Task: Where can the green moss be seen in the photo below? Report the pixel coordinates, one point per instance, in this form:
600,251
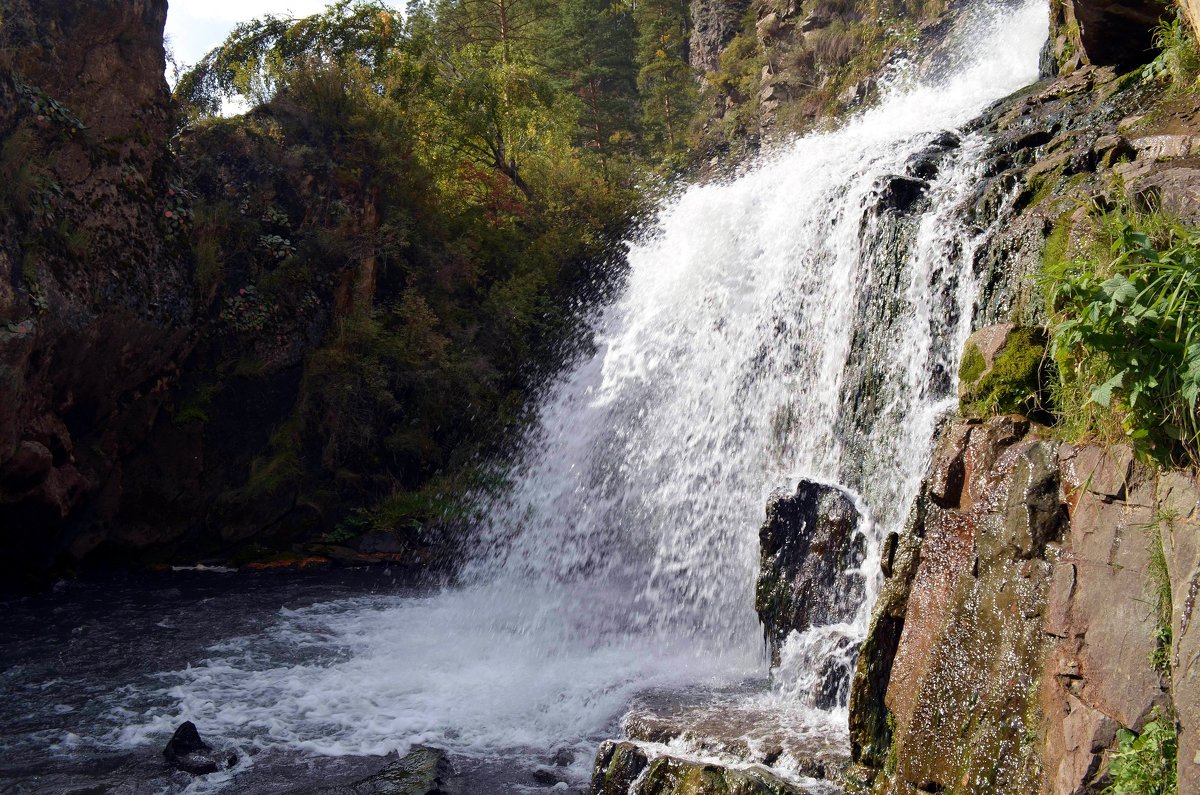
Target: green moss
1014,384
1054,252
197,407
279,468
973,365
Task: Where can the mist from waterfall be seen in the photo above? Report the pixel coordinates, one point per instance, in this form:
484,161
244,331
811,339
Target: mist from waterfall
777,325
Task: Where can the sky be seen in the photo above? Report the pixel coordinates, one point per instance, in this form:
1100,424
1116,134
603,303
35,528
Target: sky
196,26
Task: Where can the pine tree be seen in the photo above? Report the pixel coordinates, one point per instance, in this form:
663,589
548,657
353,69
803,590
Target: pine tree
666,81
592,57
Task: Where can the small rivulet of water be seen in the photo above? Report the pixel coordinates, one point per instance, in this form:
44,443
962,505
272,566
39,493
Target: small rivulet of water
800,320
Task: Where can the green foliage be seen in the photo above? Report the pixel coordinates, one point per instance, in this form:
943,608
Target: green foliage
591,55
1014,384
1144,764
409,217
1058,242
279,468
259,58
1126,330
1179,56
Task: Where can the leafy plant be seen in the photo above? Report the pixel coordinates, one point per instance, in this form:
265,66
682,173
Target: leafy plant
1144,764
1179,56
1136,311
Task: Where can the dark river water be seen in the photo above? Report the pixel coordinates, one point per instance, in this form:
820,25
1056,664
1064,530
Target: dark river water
83,703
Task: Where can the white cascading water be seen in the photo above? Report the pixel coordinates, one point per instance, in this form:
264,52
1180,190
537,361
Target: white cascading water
774,326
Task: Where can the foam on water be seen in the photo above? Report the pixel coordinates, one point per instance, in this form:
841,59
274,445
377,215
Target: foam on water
625,555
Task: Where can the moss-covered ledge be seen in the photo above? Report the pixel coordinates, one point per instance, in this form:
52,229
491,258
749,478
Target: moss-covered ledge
1003,372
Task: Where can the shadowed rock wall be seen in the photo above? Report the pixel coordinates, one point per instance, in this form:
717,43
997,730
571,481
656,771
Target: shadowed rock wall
96,296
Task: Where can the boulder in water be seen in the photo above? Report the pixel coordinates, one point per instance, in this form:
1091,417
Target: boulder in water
811,551
926,164
188,752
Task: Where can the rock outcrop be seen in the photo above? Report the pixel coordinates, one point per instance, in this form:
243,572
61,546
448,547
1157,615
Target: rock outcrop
1017,626
1001,372
187,752
96,299
811,550
1117,33
714,24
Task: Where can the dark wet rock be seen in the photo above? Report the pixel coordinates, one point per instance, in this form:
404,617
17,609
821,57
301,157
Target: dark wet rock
926,164
624,768
1047,63
548,776
810,548
833,685
618,765
187,752
901,194
28,466
563,757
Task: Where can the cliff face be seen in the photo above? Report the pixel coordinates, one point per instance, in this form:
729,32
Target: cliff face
96,300
714,24
1038,603
1019,626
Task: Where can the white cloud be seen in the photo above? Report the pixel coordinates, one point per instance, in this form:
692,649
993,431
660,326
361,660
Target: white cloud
242,10
196,26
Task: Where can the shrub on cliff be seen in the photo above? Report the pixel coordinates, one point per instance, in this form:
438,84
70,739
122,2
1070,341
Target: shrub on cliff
1127,333
1144,764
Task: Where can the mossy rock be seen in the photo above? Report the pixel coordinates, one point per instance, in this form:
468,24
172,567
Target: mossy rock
1002,373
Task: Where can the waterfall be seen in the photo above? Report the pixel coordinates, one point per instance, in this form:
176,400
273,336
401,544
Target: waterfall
803,319
779,325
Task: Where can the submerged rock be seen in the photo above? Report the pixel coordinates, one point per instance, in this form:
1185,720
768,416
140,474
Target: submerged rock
625,768
726,726
186,751
810,554
423,771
